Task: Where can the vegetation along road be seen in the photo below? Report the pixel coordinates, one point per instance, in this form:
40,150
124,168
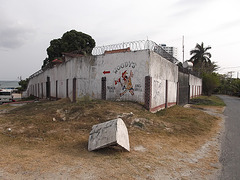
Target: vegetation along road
230,155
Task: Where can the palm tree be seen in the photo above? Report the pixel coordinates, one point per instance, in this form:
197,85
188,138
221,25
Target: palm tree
200,54
200,58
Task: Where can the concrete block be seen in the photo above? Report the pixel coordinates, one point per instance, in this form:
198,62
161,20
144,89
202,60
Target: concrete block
113,132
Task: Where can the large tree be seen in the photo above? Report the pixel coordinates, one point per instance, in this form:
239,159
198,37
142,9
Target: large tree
201,58
78,42
55,49
71,42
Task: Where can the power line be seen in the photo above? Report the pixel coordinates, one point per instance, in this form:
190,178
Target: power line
229,67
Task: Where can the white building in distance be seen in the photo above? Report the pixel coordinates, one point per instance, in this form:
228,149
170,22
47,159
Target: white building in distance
170,50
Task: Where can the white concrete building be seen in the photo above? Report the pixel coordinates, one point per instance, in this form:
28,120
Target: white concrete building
142,76
171,50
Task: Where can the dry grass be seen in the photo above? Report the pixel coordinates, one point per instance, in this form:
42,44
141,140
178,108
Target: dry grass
208,101
46,136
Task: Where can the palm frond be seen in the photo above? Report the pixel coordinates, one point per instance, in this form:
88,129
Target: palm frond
194,51
209,55
207,48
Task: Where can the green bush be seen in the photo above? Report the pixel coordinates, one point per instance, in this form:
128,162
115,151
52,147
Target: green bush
210,82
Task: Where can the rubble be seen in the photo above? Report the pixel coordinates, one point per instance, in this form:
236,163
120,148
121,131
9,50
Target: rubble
113,132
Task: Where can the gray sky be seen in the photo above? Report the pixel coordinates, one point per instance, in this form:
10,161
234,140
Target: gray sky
28,26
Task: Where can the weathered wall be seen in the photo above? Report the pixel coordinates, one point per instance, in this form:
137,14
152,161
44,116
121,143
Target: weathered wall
78,68
126,79
115,76
195,84
124,72
164,82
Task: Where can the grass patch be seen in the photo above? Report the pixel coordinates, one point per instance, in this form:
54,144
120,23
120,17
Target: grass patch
49,135
5,106
208,101
63,124
185,121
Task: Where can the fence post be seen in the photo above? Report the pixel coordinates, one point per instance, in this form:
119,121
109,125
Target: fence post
48,88
74,90
104,91
166,102
178,93
189,93
148,92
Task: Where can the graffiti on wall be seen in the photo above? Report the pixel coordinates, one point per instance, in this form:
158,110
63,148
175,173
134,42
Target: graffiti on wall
126,64
157,85
138,87
126,83
111,89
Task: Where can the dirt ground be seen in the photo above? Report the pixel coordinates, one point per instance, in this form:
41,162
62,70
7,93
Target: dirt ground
48,140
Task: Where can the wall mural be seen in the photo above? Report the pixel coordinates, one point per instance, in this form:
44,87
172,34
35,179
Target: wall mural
124,65
126,83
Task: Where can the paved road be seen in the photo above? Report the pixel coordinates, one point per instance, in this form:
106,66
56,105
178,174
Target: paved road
230,154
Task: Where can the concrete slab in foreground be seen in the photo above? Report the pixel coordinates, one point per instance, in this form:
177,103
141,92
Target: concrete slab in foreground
109,133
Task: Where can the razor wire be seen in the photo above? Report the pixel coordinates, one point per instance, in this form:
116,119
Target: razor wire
36,73
133,45
136,46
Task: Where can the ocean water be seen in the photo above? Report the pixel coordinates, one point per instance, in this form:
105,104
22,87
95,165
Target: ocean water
8,84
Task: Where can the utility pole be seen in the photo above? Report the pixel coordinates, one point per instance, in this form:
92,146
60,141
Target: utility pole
183,48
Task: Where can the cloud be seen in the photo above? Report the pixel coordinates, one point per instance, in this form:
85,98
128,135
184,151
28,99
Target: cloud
190,2
228,25
186,7
14,34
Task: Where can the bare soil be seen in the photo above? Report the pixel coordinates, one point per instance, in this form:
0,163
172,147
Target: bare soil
48,140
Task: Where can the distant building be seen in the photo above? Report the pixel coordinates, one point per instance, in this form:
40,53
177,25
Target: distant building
170,50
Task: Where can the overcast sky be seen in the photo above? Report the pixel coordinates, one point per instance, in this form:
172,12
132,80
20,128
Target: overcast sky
28,26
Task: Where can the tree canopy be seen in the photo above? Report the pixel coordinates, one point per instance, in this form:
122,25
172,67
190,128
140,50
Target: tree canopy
210,81
23,84
201,59
228,85
55,49
200,54
71,42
